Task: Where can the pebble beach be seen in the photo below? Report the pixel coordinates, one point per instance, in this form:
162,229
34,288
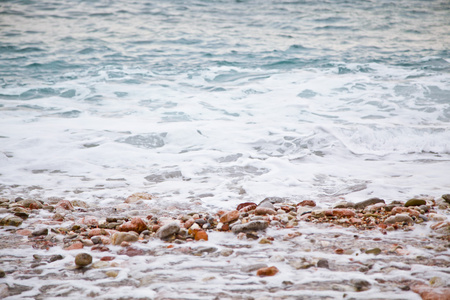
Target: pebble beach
272,249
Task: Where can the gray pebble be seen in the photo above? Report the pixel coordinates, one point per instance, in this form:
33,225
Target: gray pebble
253,225
168,230
368,202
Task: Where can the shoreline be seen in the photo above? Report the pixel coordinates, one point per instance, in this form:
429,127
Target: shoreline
274,249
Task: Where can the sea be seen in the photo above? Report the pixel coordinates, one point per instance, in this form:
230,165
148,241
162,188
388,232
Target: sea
221,102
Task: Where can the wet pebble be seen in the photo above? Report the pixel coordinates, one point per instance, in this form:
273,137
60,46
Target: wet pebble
269,271
83,259
250,226
323,263
11,220
368,202
168,230
38,232
119,237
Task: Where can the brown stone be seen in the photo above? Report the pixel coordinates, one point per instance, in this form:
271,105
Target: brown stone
269,271
229,216
201,235
307,203
136,224
248,208
245,204
265,211
83,259
107,258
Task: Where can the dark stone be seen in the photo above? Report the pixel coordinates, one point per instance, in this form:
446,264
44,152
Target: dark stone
415,202
96,240
2,273
200,222
43,231
361,285
368,202
323,263
446,197
55,258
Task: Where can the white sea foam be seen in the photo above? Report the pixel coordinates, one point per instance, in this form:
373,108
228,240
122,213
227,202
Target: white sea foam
306,133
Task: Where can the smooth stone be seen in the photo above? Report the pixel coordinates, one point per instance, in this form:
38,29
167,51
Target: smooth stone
111,273
273,200
83,259
368,202
43,231
100,264
168,230
361,285
399,218
55,257
323,263
11,220
446,197
229,216
96,240
267,204
119,237
250,226
226,252
415,202
2,273
252,268
270,271
374,251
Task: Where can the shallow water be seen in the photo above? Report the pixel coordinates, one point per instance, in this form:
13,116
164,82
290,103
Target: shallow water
223,102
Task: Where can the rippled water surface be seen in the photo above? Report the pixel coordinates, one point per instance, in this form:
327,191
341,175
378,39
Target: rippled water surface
224,101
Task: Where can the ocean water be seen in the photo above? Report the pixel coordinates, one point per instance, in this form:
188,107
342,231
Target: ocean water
220,102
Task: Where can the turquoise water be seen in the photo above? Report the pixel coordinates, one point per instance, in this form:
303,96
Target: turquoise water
225,101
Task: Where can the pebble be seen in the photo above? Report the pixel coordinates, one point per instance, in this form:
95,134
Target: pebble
136,224
252,225
64,204
344,204
137,197
415,202
269,271
361,285
201,235
43,231
75,246
112,273
168,230
365,203
446,197
323,263
2,273
399,218
11,220
307,203
229,216
119,237
265,211
245,204
83,259
374,251
226,252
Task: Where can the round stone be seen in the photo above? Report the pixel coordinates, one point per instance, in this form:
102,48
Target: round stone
83,259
